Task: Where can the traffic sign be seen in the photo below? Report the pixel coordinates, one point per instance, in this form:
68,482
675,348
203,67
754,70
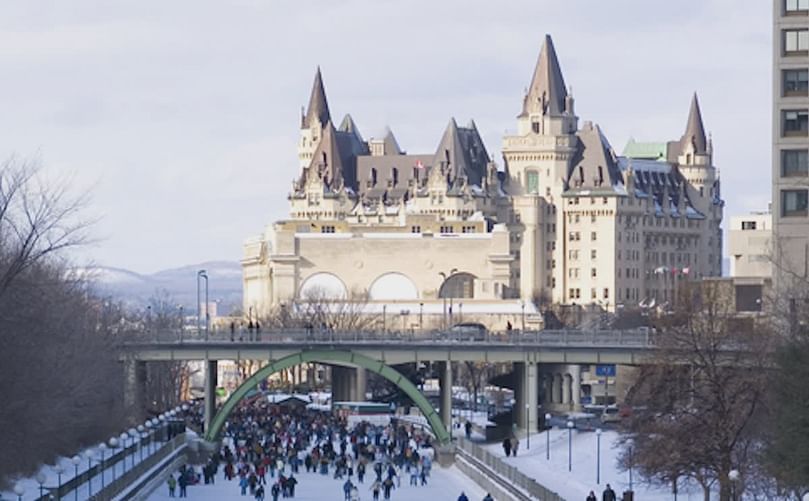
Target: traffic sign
606,370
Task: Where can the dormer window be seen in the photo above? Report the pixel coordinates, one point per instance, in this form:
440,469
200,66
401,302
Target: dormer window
395,176
535,127
373,176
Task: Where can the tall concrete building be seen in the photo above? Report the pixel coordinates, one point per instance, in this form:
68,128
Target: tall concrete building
749,245
564,219
790,171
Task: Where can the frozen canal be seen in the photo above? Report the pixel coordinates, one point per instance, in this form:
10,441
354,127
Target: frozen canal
444,484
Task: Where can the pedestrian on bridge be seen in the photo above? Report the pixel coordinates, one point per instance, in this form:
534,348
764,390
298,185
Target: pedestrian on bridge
172,482
507,446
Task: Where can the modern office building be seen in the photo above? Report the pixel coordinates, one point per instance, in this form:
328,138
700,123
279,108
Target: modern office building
790,171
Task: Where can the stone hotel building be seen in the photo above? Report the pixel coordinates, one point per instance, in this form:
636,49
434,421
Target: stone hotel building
563,219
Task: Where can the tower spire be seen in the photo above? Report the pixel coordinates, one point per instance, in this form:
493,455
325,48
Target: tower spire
695,130
318,108
547,93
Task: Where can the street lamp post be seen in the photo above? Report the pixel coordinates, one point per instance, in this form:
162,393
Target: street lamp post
122,438
547,437
113,443
76,460
522,307
102,448
527,427
421,316
181,322
149,432
202,274
19,490
133,433
41,479
598,456
141,430
58,469
89,455
570,446
384,318
734,476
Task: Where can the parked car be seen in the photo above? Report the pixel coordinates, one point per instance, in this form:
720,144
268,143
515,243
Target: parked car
469,331
611,414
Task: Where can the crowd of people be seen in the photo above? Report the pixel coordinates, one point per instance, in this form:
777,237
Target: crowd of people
267,451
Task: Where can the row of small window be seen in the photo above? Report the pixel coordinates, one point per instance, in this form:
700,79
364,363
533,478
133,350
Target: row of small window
577,201
630,273
795,7
670,258
795,42
575,293
327,229
795,163
575,236
575,218
631,255
447,229
794,203
573,254
574,272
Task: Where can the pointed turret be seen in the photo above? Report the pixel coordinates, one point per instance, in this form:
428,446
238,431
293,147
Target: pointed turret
318,109
391,145
547,93
695,130
348,125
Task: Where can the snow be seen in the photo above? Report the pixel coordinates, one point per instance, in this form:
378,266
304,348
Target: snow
581,480
443,484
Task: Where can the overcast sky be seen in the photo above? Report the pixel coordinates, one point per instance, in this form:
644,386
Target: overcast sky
183,115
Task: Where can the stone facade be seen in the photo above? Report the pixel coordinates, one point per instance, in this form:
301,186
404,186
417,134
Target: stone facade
564,219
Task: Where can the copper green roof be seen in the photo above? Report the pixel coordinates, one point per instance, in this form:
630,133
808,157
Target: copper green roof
645,151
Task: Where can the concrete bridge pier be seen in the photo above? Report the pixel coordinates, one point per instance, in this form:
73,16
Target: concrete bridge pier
445,393
526,395
134,390
211,369
359,380
348,384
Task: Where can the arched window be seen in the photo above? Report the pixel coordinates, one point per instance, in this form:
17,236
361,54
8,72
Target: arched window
459,285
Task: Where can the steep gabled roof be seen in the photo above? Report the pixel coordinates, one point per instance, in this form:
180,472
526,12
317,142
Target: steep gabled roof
594,166
391,145
318,108
348,125
463,151
547,93
695,130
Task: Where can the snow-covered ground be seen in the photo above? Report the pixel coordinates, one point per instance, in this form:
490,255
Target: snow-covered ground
577,484
444,484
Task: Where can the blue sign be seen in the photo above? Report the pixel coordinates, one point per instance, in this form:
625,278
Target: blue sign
605,370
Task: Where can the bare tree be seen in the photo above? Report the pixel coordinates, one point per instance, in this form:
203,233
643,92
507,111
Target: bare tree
700,400
37,219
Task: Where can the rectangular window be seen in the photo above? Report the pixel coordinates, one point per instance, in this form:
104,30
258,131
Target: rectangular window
415,229
796,122
796,42
593,254
606,293
792,7
748,225
794,203
327,229
593,236
795,163
532,182
593,272
796,82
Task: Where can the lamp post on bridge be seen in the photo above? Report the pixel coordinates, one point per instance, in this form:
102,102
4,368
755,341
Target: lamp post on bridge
19,490
41,479
113,443
570,446
58,469
202,274
527,427
76,460
102,449
181,322
598,456
547,437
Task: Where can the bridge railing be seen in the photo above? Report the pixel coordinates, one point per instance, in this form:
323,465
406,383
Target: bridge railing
636,338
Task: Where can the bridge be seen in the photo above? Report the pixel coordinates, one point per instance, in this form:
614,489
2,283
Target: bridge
378,351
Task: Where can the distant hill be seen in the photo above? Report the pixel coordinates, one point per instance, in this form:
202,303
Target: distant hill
135,289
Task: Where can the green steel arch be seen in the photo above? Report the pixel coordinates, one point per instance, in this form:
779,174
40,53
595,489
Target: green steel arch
323,356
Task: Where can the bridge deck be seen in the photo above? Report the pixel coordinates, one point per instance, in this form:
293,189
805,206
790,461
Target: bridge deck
584,347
